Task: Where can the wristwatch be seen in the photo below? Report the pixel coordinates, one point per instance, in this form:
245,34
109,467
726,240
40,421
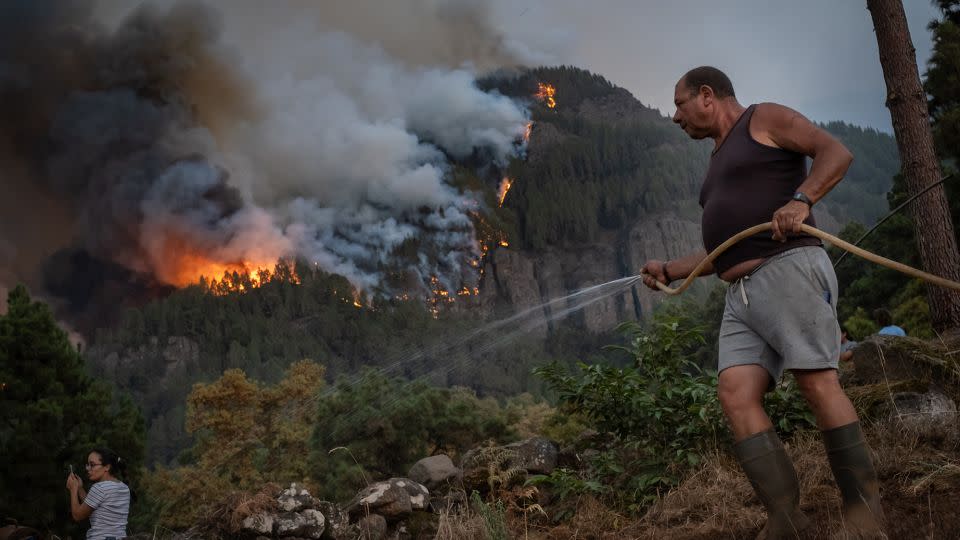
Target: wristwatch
802,197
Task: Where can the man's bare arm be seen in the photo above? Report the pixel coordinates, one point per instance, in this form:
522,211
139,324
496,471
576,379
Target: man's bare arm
785,128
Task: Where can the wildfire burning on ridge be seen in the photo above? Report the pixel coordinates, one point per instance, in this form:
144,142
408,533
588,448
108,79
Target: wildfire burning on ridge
503,189
545,93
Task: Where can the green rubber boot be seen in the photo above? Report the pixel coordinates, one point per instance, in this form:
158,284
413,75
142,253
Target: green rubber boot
857,479
775,481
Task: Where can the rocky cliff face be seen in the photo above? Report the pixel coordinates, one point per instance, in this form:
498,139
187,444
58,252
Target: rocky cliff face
516,280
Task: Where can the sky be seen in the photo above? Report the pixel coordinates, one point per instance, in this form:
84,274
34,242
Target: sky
817,56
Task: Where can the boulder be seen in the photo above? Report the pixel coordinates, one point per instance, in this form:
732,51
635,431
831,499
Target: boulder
393,499
308,523
930,415
883,359
536,455
295,498
260,524
338,522
490,467
435,472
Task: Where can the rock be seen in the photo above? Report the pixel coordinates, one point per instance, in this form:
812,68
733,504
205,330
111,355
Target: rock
536,455
295,498
394,499
931,415
883,359
435,472
872,401
338,522
487,467
258,524
490,467
372,527
308,523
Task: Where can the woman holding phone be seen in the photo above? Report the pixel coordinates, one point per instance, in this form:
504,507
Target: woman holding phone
107,504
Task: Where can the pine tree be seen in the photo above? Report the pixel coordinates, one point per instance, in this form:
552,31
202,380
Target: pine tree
908,109
52,414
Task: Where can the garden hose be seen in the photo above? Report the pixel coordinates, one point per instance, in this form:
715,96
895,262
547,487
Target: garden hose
813,231
890,215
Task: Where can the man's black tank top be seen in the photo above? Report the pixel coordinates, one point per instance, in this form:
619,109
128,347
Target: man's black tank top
745,184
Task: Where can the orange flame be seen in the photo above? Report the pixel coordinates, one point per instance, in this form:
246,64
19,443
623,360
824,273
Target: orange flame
527,131
187,269
503,189
545,93
178,261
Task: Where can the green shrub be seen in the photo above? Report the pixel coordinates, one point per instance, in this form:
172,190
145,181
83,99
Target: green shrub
663,410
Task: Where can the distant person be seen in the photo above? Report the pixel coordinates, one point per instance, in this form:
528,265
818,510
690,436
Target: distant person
846,345
885,320
107,504
781,306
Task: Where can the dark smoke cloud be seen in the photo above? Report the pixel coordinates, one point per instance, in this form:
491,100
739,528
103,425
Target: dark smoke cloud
157,143
98,123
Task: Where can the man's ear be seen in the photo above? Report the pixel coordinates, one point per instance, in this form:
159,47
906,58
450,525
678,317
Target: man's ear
707,94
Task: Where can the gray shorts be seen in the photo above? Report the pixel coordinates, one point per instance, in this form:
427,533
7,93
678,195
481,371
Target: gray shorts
783,315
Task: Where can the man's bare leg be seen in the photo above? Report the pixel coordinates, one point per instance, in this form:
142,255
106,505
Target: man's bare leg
830,405
741,390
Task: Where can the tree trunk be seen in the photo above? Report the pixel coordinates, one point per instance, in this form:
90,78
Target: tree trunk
911,126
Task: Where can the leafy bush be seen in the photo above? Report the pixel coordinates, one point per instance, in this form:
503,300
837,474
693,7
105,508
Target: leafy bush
388,424
247,434
663,410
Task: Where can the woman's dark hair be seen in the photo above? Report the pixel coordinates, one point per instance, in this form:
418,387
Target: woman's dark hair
883,317
108,457
118,466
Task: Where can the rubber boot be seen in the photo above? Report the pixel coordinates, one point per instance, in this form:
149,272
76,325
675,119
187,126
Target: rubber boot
775,481
857,479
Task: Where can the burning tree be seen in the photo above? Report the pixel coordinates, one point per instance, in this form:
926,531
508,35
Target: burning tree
503,189
545,93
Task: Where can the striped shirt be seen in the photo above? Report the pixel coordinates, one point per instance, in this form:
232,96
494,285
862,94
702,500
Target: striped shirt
111,504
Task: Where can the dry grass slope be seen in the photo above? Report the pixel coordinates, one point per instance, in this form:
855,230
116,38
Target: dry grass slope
920,486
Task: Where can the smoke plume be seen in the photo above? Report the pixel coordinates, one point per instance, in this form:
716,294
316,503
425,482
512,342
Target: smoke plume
150,145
